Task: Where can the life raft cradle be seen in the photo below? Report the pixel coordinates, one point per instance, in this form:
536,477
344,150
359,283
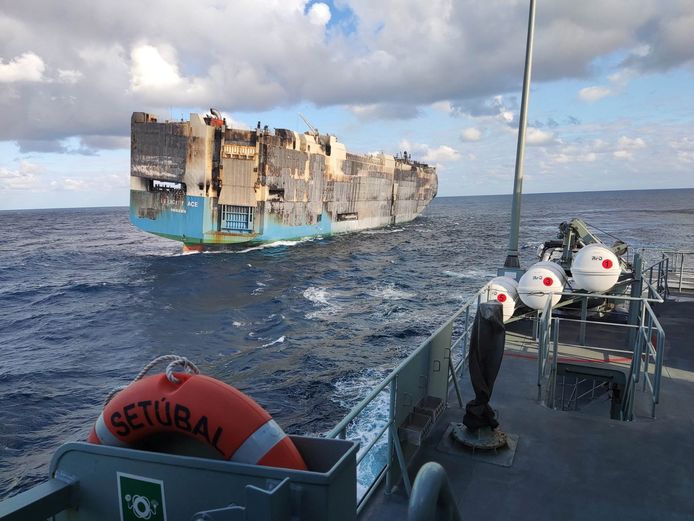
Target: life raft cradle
91,482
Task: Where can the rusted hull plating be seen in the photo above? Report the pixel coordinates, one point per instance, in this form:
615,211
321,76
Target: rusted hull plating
202,183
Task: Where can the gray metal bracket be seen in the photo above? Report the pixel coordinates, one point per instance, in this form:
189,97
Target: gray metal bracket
261,505
41,501
401,459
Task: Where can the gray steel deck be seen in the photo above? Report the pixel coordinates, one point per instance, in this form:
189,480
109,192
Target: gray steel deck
575,465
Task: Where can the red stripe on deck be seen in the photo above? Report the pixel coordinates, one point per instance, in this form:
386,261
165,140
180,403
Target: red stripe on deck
568,359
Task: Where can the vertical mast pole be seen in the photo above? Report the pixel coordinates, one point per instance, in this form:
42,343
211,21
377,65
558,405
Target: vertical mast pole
512,254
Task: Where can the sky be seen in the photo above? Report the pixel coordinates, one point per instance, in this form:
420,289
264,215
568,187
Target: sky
611,104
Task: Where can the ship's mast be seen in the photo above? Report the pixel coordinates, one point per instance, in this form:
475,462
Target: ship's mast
512,254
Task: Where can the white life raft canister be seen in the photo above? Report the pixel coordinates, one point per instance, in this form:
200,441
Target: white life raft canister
505,291
595,268
539,282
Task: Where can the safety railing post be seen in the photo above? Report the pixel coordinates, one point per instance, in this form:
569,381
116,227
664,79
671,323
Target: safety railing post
659,286
466,330
660,346
540,355
584,318
634,305
648,346
555,353
391,419
650,282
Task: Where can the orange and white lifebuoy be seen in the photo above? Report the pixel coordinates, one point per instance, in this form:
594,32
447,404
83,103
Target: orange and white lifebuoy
199,407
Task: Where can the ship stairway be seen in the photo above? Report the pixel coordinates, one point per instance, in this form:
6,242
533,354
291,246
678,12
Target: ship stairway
590,379
588,388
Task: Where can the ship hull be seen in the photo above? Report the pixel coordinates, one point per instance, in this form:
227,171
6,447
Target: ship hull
208,186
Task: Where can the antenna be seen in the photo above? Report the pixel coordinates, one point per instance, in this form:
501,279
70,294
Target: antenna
314,130
512,260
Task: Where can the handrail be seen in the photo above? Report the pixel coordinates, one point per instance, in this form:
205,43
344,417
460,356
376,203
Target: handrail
389,428
337,430
682,274
42,501
657,300
431,487
647,341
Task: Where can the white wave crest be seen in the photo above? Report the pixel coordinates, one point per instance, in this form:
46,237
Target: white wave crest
277,244
366,426
477,274
383,231
390,292
319,297
280,340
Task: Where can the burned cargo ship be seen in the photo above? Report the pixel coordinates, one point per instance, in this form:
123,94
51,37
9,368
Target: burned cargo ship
209,186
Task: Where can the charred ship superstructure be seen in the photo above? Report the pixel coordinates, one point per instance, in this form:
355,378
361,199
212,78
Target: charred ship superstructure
208,185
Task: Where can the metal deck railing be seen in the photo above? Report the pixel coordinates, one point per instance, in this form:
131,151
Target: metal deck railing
644,335
420,375
680,270
414,378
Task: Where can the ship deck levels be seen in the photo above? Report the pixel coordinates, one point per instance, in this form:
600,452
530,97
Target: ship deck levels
571,464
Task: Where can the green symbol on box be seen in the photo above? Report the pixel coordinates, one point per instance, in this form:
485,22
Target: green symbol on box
141,499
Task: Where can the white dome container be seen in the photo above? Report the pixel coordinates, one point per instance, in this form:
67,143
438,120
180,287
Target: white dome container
504,290
595,268
541,279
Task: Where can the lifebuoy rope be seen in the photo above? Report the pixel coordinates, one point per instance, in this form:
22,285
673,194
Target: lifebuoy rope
174,361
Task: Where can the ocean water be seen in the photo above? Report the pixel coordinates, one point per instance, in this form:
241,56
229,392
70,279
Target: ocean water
306,328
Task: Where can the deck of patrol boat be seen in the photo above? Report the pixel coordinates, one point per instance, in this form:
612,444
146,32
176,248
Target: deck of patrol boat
573,464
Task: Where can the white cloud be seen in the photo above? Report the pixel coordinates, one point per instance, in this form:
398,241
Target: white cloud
319,14
535,136
630,143
623,154
626,146
685,156
443,106
75,185
429,154
234,123
620,79
69,76
471,134
151,71
641,51
441,154
154,74
684,149
388,57
26,67
583,157
592,94
580,152
506,116
25,177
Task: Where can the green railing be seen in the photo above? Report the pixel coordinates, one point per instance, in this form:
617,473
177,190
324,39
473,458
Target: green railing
426,372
